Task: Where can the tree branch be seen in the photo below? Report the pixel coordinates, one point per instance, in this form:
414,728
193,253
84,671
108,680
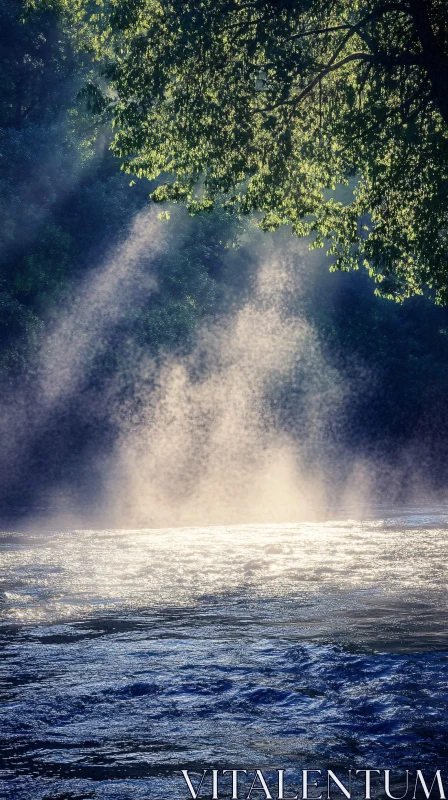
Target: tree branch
318,32
378,12
360,56
332,66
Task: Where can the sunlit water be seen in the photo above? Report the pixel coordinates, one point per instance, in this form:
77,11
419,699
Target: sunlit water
127,655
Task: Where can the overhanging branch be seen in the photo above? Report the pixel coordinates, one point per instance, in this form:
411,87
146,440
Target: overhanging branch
383,60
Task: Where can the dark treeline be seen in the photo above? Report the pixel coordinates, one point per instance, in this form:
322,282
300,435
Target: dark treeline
65,203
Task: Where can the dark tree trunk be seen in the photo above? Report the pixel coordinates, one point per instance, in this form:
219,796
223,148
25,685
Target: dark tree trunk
434,56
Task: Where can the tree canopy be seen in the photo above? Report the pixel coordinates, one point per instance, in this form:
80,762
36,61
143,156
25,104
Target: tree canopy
269,106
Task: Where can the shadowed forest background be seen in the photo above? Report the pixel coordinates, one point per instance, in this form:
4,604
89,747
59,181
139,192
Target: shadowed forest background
65,206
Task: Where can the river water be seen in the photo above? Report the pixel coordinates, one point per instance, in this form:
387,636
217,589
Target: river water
130,654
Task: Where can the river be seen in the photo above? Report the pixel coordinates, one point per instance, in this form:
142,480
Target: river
129,654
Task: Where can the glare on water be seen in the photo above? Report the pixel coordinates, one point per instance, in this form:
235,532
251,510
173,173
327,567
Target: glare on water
130,653
322,574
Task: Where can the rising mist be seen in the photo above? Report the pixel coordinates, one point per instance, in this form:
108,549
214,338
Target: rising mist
206,444
254,417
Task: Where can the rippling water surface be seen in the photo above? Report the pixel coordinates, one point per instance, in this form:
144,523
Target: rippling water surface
128,654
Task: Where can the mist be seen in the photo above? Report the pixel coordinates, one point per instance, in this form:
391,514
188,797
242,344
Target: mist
253,418
198,435
206,445
74,339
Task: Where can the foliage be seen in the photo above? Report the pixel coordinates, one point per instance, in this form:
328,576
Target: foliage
64,202
271,105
